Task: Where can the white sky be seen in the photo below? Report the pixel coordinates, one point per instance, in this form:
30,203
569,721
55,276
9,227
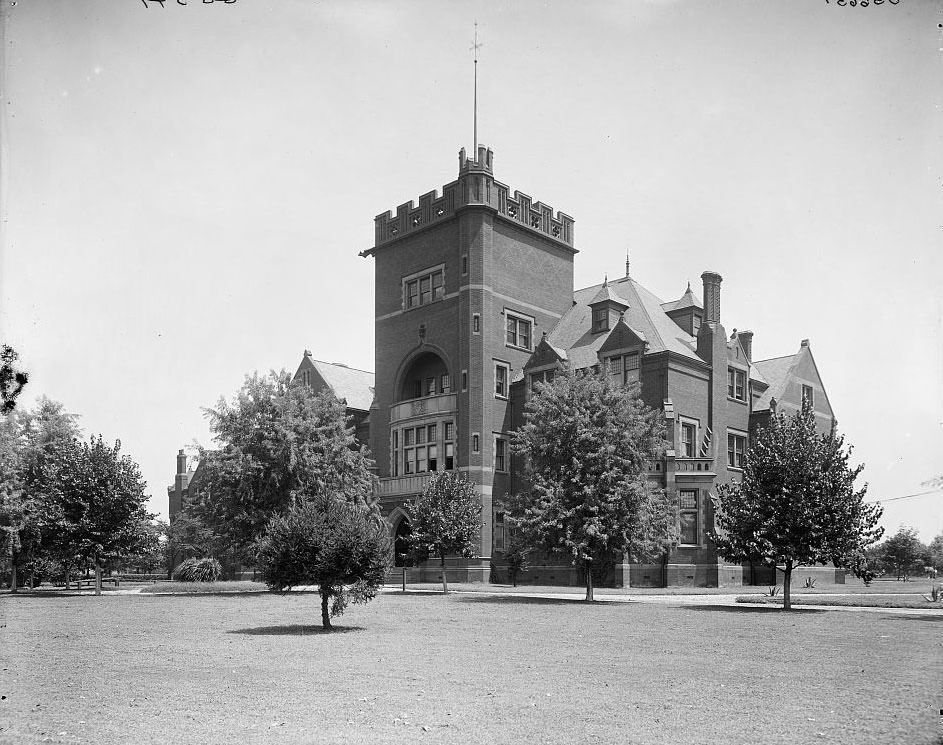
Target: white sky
186,188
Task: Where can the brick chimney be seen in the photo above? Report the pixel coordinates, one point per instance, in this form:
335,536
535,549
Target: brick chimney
746,341
711,282
181,462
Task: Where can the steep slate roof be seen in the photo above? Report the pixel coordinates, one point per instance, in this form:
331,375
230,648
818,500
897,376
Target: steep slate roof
353,386
687,300
775,371
573,332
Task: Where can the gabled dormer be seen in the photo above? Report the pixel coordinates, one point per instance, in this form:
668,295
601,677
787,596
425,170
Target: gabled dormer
622,351
606,308
543,363
686,311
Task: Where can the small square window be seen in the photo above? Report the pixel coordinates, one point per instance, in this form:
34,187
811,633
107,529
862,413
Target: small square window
476,444
476,323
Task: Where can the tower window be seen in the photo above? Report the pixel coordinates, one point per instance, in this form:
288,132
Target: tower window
476,443
501,376
518,331
500,454
464,265
424,288
464,380
476,323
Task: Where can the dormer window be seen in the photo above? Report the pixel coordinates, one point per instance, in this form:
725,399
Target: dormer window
600,319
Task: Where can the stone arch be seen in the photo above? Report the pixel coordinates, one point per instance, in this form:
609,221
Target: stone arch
401,529
425,360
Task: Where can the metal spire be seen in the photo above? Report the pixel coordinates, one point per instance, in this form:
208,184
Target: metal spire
474,48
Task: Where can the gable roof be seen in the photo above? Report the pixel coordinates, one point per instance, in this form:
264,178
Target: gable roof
644,315
606,295
348,384
775,372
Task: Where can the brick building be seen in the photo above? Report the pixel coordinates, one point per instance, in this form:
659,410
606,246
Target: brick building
475,301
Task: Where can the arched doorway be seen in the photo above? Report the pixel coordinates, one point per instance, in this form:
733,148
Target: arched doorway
427,375
401,556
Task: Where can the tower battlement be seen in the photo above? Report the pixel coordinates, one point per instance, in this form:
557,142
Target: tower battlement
475,186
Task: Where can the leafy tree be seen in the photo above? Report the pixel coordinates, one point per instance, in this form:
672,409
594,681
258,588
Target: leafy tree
101,495
935,550
903,552
12,380
446,519
586,443
278,441
342,547
796,503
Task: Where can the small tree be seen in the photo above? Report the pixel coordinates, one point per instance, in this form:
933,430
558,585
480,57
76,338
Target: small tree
342,547
587,442
517,556
796,504
904,553
446,519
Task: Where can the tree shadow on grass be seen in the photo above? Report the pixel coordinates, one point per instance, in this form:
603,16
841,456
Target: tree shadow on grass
744,608
296,629
524,600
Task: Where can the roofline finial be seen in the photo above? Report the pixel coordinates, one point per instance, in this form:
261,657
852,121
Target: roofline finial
626,263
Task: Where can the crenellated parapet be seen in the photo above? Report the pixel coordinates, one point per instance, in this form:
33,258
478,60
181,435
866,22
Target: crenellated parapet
475,186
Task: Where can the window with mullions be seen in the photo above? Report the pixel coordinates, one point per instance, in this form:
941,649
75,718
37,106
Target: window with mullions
736,384
624,368
518,331
448,437
425,289
600,319
688,514
736,451
544,376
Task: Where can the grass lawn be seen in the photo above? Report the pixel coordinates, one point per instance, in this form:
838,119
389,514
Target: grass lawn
255,668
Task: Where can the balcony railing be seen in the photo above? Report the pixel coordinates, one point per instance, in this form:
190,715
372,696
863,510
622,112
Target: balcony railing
403,485
694,465
422,407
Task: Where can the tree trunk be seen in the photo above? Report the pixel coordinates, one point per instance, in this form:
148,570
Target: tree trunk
68,570
787,582
98,577
445,581
13,557
589,583
325,611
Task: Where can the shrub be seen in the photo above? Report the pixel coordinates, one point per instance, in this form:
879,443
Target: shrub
936,594
809,583
198,570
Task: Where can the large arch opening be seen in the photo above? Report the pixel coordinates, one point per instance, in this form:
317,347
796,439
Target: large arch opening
427,375
401,553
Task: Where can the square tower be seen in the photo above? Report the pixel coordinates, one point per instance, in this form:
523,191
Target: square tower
466,284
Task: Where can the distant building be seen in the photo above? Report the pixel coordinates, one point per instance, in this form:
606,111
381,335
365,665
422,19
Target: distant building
354,388
186,479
